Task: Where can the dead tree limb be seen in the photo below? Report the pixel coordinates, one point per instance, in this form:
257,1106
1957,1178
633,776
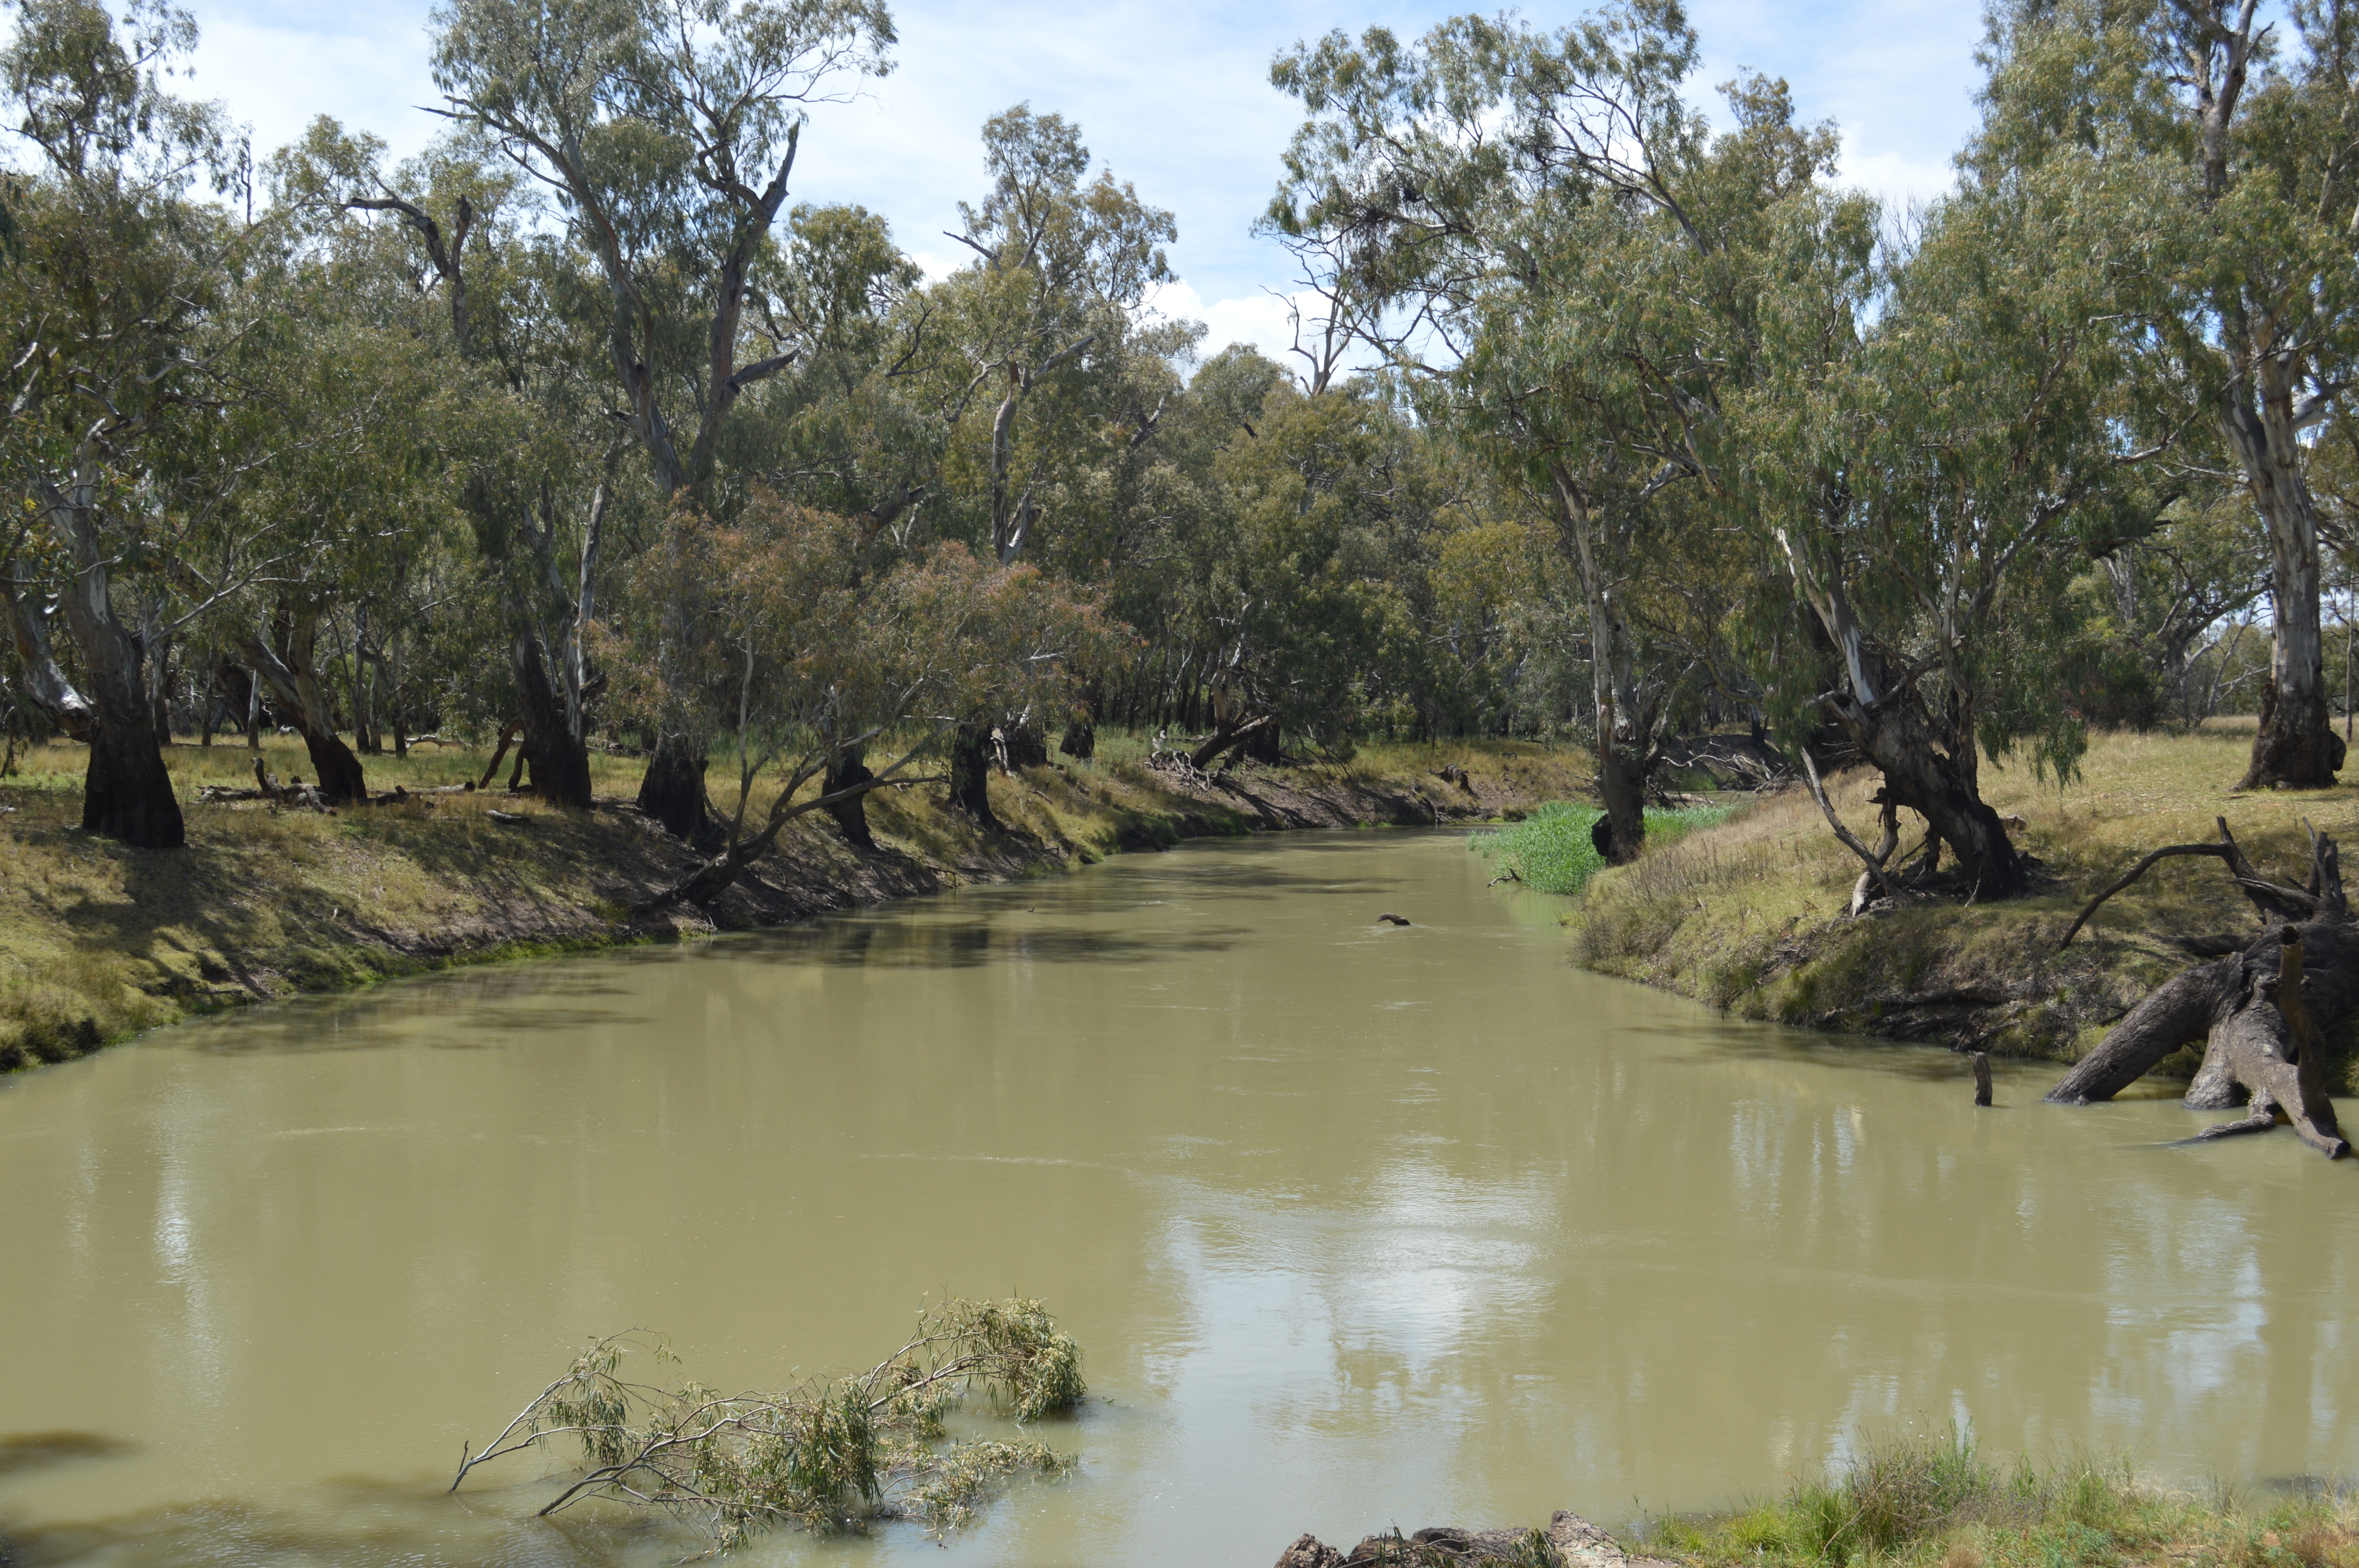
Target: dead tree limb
1851,841
1225,736
2263,1014
2269,897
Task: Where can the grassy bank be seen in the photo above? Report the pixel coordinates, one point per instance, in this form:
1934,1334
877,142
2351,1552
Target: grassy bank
1936,1503
1749,915
98,941
1551,849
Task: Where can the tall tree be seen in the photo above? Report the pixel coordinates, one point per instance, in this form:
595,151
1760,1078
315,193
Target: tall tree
668,129
115,334
2221,151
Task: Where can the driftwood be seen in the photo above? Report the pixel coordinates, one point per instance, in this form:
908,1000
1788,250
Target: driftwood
2263,1012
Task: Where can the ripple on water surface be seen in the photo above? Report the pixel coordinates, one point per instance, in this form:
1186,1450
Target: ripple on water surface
1356,1225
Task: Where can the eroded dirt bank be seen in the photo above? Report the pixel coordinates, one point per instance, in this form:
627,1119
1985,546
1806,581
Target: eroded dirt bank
98,942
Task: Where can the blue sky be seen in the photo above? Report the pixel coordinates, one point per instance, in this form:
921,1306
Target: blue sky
1174,97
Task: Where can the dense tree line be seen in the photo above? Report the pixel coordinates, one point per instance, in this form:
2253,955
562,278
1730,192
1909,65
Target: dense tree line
577,429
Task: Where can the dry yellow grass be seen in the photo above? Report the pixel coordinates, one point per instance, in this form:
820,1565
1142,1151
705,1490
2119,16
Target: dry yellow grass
1749,915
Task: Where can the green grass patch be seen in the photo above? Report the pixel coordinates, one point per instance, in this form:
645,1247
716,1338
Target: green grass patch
1935,1502
1550,849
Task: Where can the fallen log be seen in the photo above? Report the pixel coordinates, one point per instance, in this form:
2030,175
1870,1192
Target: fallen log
2263,1013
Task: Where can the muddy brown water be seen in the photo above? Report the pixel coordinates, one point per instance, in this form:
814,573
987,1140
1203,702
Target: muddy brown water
1356,1225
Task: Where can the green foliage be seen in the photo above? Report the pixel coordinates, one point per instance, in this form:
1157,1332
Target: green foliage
1550,849
829,1455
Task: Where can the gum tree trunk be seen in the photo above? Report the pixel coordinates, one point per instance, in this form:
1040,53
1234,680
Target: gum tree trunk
673,791
971,775
1623,739
296,692
1940,782
127,793
559,762
44,682
2296,747
845,771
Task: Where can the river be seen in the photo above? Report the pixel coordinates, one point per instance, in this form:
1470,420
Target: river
1356,1225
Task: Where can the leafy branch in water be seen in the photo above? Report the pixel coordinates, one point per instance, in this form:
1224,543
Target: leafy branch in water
828,1454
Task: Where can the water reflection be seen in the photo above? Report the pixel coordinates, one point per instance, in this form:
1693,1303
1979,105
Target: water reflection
1358,1225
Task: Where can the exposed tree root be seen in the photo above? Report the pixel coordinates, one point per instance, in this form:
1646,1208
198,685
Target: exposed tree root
2263,1011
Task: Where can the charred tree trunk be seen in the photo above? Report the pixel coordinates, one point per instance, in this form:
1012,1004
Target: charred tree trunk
560,765
1080,739
971,775
673,791
2263,1013
1622,785
1022,743
295,691
844,772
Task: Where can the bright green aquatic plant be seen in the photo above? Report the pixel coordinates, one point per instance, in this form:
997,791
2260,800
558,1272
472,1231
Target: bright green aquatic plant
1550,849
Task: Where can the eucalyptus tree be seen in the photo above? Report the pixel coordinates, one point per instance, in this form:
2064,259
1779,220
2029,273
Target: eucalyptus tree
1624,305
1925,495
117,334
534,455
806,656
1033,338
666,130
1542,238
2215,154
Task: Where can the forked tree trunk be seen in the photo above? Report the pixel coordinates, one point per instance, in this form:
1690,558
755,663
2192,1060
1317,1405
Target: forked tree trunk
1940,784
2263,1013
295,691
560,765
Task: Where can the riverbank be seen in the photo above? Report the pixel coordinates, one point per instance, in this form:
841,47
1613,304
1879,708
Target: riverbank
98,941
1749,915
1923,1503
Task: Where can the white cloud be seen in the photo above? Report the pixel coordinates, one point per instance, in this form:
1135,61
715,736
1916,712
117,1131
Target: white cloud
1174,98
1259,319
